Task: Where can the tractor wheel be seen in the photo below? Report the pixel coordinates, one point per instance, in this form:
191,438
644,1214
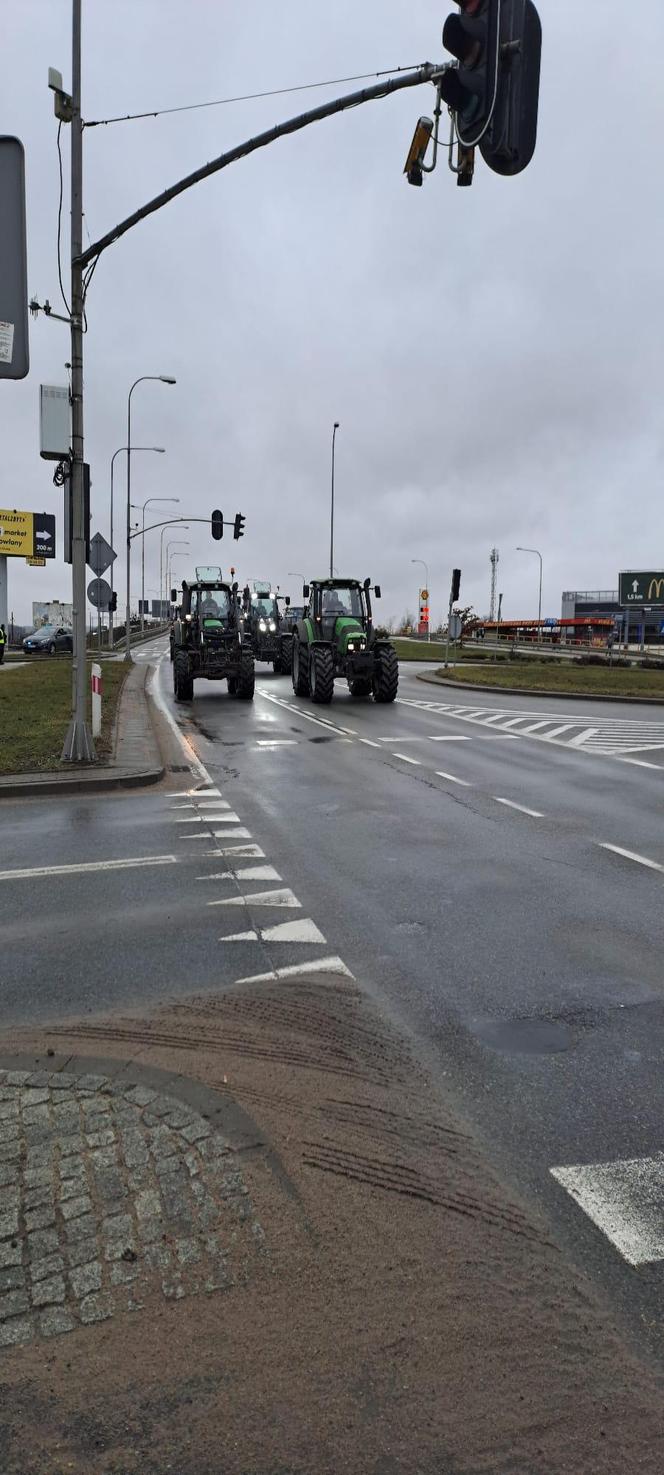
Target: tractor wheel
232,686
183,682
299,670
360,687
322,675
277,666
246,675
386,675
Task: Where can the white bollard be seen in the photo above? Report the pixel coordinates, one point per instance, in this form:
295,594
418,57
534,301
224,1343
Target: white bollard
96,700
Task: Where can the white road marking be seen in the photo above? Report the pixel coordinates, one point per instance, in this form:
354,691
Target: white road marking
220,875
256,873
223,819
276,743
641,763
213,806
191,819
308,716
240,832
535,726
514,721
534,813
278,898
462,738
189,805
582,737
301,931
240,937
453,779
369,743
405,759
641,860
624,1199
249,851
211,793
320,965
89,866
556,731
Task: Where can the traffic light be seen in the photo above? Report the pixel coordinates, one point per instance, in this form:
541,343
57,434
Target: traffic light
470,89
217,521
238,526
456,584
509,142
113,602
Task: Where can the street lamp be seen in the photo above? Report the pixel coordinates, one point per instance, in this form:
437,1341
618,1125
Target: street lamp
426,576
160,450
539,610
159,379
147,504
334,434
184,526
179,553
294,575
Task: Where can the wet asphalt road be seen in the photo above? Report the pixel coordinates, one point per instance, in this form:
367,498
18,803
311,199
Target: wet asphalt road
525,956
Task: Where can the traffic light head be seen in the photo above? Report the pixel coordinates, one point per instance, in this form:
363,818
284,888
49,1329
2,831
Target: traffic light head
217,521
470,89
509,142
456,584
238,526
113,602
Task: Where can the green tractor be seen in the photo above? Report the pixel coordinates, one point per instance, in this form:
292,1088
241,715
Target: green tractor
264,622
336,638
208,638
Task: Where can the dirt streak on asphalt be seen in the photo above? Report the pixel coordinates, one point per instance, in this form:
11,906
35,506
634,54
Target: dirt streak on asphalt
405,1312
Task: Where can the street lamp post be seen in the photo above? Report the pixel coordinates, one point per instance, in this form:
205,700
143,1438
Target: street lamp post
163,592
293,574
334,435
160,379
160,450
179,553
147,504
426,575
539,608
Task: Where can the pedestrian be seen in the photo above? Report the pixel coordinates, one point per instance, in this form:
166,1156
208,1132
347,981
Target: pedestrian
3,642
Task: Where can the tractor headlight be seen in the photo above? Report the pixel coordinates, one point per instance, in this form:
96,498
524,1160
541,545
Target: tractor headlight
358,644
272,625
262,625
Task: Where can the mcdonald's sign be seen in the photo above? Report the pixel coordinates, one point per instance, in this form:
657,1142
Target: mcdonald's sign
639,588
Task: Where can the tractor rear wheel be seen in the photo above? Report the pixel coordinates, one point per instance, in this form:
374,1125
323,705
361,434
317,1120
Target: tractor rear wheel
299,671
386,675
246,676
183,681
360,686
321,675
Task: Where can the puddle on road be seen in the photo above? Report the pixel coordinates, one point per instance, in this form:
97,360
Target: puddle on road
525,1036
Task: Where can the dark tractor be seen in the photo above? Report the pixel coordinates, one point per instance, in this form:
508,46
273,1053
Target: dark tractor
208,637
336,638
290,619
264,620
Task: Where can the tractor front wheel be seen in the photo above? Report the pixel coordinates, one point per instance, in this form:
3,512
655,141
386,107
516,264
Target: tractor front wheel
386,675
321,676
232,686
183,681
299,671
360,686
246,676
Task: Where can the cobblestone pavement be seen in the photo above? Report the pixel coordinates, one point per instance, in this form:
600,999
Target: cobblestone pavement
109,1192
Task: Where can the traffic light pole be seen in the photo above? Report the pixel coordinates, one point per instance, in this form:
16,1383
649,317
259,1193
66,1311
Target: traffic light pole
449,622
78,746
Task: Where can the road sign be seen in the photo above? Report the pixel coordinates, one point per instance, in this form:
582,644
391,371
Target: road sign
99,593
101,555
638,589
27,534
14,350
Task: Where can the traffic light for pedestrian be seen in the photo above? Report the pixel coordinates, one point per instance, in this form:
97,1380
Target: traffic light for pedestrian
217,525
470,89
238,526
456,584
509,142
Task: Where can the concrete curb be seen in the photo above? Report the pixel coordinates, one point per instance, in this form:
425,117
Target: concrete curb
535,691
92,780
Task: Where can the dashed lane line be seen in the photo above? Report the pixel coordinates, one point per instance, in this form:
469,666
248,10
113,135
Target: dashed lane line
452,778
405,759
641,860
308,716
509,803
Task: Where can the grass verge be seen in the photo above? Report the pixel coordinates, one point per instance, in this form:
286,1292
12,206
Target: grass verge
591,681
420,650
35,708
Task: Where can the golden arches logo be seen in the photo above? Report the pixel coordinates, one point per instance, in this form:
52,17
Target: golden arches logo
656,587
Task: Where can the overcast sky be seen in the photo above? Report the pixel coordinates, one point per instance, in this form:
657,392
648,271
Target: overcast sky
494,355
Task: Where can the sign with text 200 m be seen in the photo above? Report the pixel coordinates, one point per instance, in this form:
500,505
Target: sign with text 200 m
638,588
27,534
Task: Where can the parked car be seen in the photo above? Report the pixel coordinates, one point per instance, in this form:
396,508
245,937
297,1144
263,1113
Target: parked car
49,640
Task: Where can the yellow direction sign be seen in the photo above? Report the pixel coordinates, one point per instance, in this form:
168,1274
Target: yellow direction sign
36,562
17,532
